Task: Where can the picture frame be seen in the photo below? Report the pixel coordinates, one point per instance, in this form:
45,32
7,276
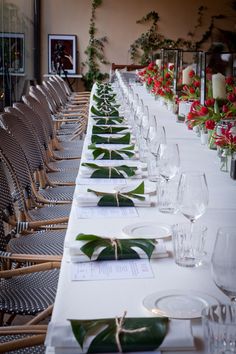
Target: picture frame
62,54
12,52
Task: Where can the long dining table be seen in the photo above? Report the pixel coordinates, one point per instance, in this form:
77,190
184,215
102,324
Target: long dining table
104,295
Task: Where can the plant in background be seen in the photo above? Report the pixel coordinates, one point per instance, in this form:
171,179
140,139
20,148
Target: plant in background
94,52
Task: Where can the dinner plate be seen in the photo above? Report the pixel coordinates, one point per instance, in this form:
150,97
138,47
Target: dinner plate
178,304
147,230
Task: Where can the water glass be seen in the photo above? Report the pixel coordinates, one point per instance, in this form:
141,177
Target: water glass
219,328
167,195
189,244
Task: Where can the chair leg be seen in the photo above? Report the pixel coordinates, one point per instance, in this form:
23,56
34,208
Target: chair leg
10,319
1,318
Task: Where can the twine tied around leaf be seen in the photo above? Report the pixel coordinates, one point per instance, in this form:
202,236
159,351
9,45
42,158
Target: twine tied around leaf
114,244
120,329
117,198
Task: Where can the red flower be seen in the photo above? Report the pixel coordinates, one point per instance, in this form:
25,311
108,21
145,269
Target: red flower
203,111
196,83
167,75
210,102
225,108
191,90
191,73
171,67
210,124
229,80
231,97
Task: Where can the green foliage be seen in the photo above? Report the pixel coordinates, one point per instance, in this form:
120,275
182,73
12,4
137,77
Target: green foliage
122,171
94,52
144,48
113,248
146,333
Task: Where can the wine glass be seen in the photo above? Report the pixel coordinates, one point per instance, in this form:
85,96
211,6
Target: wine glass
156,136
223,263
168,160
192,196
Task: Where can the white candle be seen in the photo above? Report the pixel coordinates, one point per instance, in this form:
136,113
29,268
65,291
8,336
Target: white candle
218,86
158,63
186,80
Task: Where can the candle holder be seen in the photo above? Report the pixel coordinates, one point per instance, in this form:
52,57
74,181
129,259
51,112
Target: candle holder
215,67
170,58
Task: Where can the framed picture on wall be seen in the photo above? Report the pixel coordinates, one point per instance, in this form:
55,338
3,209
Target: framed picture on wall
62,54
12,52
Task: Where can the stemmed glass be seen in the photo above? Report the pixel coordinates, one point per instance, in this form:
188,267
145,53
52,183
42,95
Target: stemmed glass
156,136
223,263
168,164
192,196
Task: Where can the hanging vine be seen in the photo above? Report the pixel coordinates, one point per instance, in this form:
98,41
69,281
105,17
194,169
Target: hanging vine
94,52
144,48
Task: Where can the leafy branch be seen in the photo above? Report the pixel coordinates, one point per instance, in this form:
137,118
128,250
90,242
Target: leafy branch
94,52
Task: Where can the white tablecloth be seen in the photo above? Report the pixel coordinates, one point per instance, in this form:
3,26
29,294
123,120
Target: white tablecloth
103,299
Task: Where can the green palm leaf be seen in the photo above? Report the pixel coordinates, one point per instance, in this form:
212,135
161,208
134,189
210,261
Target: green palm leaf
138,334
124,139
120,199
109,113
108,154
109,121
115,249
107,129
122,171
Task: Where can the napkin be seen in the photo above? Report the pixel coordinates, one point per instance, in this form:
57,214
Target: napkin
104,129
87,171
111,139
108,120
91,199
76,255
97,152
61,337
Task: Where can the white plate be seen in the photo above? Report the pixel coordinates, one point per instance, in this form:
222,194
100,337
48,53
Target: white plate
178,304
147,230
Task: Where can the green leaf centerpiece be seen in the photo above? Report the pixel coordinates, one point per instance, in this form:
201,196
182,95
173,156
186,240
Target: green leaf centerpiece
110,154
121,171
115,249
121,334
123,139
107,129
120,199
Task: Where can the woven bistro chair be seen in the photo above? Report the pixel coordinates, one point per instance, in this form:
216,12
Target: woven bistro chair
27,338
62,121
48,126
48,182
69,112
34,123
19,243
71,95
28,290
65,100
30,210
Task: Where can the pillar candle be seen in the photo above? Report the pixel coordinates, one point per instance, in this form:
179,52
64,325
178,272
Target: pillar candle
158,63
218,86
186,80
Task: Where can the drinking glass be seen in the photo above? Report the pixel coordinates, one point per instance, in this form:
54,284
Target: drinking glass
223,263
192,195
169,160
168,165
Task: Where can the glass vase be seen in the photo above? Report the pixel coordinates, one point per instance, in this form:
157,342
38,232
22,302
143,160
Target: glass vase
225,160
